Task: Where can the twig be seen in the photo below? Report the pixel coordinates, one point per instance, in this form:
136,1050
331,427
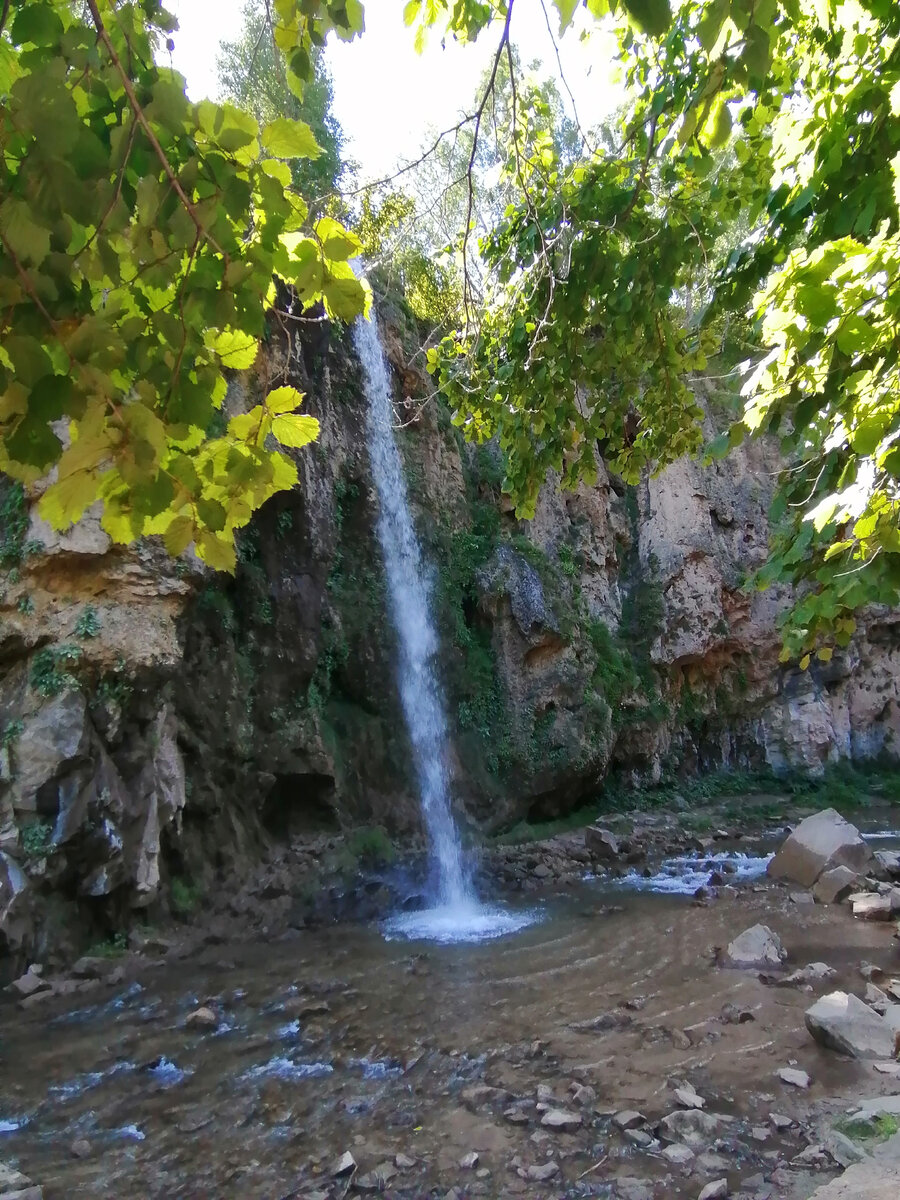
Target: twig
488,92
593,1168
103,35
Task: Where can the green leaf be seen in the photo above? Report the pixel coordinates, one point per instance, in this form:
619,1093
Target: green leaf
37,24
178,535
295,430
566,10
28,240
283,400
236,350
652,17
344,298
285,138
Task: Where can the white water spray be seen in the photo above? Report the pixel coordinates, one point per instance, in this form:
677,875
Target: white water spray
457,915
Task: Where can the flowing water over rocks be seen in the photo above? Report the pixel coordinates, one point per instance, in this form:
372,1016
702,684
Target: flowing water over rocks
412,1058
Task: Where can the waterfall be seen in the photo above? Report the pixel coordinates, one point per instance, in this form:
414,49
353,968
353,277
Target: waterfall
457,914
410,613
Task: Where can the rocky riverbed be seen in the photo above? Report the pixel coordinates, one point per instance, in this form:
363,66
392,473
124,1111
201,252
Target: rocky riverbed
602,1052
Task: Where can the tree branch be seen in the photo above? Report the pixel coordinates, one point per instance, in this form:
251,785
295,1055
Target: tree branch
103,35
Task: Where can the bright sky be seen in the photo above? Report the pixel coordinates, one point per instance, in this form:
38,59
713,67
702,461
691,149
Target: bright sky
388,98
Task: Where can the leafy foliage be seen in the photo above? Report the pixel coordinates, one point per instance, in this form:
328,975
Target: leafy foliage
252,76
88,623
582,346
140,235
51,669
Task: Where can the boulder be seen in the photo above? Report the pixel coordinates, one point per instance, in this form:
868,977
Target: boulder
678,1156
889,862
540,1174
819,843
873,1179
688,1098
842,1022
835,885
601,844
870,906
202,1018
628,1119
756,947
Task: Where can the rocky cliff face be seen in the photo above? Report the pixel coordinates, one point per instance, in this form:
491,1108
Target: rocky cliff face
159,723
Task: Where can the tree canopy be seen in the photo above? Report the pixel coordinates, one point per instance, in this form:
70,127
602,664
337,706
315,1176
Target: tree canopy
582,343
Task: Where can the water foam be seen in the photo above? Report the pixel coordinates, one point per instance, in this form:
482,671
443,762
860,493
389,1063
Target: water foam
682,876
458,923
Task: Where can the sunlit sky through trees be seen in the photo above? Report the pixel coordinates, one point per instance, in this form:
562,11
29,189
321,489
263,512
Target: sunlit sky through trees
386,97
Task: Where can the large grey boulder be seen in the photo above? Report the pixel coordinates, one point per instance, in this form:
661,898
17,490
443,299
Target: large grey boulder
820,842
758,946
602,844
842,1022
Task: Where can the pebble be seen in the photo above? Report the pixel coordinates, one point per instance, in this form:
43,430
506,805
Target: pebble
779,1122
469,1161
202,1018
404,1162
343,1165
80,1148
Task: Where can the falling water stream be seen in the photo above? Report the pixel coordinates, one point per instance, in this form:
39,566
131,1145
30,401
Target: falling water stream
456,914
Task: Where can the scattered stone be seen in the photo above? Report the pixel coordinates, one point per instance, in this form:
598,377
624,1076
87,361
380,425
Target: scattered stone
888,1068
714,1191
480,1094
680,1040
870,972
812,1156
870,906
628,1119
688,1098
404,1162
780,1123
876,998
344,1165
793,1077
558,1118
542,871
602,844
875,1105
819,843
469,1161
516,1115
842,1022
376,1180
802,898
759,1133
80,1148
835,885
640,1138
202,1018
843,1150
541,1174
695,1128
583,1095
756,947
11,1180
732,1015
29,983
91,967
678,1156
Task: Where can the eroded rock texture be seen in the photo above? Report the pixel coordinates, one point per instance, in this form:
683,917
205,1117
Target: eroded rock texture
159,721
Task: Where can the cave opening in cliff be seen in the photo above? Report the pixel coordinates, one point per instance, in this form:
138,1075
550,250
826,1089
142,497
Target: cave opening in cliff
300,804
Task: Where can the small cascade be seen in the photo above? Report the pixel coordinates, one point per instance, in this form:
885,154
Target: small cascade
457,914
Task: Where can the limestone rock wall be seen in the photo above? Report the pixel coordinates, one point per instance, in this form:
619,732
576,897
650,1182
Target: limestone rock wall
159,723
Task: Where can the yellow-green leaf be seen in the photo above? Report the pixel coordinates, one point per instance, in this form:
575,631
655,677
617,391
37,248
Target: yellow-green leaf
295,430
285,138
